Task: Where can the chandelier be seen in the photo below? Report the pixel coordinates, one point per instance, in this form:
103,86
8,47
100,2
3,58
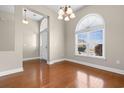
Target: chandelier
66,13
25,21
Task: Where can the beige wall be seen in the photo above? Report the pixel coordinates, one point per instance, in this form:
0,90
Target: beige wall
14,59
7,26
10,60
31,39
114,22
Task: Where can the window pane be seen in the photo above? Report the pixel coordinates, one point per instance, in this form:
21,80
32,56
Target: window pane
95,43
82,43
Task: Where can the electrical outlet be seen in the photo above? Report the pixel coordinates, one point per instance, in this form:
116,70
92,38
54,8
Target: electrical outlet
117,61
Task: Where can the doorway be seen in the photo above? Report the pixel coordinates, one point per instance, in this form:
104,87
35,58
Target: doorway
44,39
35,35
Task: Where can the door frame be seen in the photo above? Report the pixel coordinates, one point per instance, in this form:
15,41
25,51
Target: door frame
48,32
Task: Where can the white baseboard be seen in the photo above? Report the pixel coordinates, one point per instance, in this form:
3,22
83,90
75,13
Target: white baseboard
12,71
85,63
98,66
33,58
55,61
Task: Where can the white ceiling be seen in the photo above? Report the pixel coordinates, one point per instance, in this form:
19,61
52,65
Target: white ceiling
32,15
37,17
56,7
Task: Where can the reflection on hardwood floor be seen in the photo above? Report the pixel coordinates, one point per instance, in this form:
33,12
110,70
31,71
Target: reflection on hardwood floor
61,75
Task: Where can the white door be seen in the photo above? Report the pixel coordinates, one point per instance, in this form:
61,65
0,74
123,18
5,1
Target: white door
44,45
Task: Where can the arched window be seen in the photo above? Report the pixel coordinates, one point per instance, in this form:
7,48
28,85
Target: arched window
90,36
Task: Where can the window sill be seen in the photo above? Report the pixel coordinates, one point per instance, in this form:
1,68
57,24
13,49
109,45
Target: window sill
90,56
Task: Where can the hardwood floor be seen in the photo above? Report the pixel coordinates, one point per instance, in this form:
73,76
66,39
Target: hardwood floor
64,75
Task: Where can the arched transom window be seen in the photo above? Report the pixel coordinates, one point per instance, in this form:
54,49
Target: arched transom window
90,36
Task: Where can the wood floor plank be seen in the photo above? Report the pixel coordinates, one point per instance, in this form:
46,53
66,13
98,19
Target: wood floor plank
65,74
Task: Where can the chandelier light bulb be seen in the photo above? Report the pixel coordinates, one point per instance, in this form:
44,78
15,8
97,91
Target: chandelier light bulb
72,15
60,17
66,18
69,10
24,21
61,12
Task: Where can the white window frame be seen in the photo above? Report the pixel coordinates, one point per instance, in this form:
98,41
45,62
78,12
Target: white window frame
103,48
